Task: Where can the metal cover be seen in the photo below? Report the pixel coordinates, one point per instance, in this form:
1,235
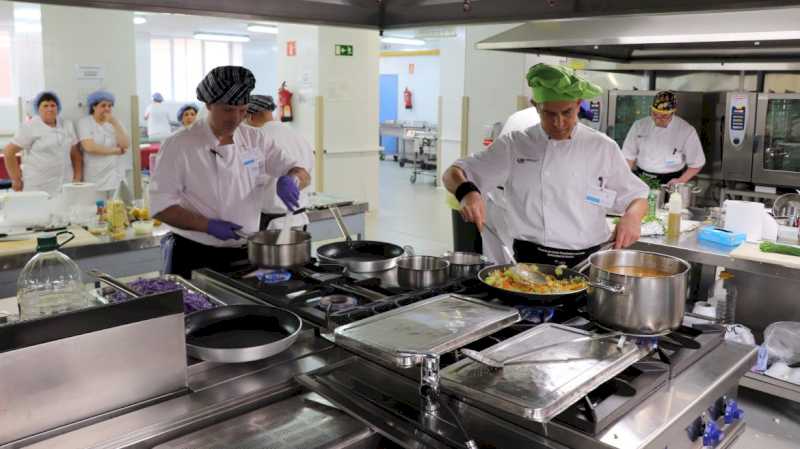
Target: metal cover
540,391
434,326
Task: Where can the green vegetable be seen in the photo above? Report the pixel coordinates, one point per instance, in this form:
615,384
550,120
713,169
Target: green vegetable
769,247
652,183
646,219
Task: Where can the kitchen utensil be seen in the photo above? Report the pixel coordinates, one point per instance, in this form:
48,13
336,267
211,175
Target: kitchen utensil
359,256
465,264
284,236
113,282
415,272
641,305
786,205
240,333
521,270
687,191
263,249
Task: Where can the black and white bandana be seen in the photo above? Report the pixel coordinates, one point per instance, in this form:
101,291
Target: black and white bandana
226,85
260,103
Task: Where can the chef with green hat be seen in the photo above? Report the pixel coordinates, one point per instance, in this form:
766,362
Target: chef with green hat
560,178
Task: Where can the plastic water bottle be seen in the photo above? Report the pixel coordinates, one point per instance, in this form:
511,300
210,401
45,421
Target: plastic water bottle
724,296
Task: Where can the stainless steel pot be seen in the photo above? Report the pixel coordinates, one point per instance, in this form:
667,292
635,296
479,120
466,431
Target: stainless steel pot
422,271
263,249
637,305
465,264
687,191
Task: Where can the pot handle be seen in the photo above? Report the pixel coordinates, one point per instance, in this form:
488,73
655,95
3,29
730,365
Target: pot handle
409,250
611,288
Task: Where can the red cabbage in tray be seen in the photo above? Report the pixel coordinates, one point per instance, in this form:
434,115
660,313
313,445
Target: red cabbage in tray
192,302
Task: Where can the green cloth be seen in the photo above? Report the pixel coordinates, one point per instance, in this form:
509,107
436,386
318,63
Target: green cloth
559,83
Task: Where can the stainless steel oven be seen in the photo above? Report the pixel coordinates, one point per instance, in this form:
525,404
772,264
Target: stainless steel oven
738,136
776,160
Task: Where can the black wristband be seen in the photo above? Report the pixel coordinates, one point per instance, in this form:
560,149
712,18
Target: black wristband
464,189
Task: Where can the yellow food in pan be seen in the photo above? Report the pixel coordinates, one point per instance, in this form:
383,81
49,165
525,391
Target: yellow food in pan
508,280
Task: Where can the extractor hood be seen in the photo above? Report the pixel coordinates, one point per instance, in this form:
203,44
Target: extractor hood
738,39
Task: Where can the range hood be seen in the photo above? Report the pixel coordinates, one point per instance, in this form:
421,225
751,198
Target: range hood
766,40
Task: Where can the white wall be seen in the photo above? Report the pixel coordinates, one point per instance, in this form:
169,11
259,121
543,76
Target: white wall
301,73
423,84
261,57
452,61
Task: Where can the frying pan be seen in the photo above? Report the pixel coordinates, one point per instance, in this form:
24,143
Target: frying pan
240,333
538,299
359,256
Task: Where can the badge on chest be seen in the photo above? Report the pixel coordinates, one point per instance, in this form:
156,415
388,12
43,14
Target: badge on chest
599,195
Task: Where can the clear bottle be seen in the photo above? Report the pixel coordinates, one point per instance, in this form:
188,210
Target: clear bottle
723,295
50,283
674,218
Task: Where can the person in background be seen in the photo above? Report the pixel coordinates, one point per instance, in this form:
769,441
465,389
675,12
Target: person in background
157,117
210,178
187,115
49,149
103,141
260,117
663,146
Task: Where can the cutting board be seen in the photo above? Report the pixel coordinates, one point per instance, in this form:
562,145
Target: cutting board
82,237
750,251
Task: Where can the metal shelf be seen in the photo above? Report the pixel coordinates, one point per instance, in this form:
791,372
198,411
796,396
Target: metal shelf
772,386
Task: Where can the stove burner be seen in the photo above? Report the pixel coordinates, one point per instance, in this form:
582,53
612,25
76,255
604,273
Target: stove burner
337,302
535,315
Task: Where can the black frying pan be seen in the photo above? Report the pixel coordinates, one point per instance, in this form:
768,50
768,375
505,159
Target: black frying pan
547,299
240,333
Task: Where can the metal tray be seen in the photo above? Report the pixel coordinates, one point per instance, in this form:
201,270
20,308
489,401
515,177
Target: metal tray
431,327
540,391
99,294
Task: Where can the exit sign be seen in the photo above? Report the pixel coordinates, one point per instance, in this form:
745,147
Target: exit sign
343,50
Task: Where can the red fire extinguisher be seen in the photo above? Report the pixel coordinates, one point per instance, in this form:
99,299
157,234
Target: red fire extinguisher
285,101
407,99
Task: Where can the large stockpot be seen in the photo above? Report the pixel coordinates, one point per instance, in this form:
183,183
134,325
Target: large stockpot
263,249
645,305
415,272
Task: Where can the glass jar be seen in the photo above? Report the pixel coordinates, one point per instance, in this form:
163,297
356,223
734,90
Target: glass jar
50,283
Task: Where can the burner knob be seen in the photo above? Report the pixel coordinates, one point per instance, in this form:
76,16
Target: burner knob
712,435
733,412
695,429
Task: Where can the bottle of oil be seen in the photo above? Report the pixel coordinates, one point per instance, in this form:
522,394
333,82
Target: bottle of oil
674,220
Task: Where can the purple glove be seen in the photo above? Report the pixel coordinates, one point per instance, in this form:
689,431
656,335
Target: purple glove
289,191
223,230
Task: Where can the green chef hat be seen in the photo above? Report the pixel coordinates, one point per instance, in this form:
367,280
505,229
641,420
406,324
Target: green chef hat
559,83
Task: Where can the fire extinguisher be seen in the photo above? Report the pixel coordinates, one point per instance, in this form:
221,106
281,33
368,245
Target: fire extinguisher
285,100
407,99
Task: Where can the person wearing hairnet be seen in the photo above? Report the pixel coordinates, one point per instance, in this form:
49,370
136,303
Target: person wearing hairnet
663,146
290,142
560,178
103,141
49,147
210,178
187,115
157,118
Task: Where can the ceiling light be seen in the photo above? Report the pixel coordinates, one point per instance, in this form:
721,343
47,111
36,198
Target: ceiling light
222,37
402,41
139,20
269,29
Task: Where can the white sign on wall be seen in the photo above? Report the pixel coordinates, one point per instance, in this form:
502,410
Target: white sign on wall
90,72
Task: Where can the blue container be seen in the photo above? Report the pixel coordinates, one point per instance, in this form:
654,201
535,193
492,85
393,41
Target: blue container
721,236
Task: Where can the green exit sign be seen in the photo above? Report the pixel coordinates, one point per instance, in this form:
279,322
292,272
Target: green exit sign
344,50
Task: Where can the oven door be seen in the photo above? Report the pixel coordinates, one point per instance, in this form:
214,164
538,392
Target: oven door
777,153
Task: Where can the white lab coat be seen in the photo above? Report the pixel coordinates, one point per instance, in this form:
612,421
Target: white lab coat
228,186
158,127
45,154
296,147
547,183
663,150
104,171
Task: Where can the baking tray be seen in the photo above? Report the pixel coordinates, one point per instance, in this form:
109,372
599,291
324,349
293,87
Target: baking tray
99,294
434,326
540,391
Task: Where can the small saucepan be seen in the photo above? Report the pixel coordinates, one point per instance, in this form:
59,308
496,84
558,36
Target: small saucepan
263,249
414,272
465,264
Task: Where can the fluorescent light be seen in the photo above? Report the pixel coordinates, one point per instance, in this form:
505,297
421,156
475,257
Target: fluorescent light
222,37
402,41
269,29
139,20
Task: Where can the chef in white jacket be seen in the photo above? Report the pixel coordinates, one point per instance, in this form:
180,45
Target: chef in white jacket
49,148
560,178
209,180
664,146
103,141
260,117
157,117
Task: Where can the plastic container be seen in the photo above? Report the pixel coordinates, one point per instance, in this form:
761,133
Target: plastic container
721,236
143,227
724,295
50,283
674,218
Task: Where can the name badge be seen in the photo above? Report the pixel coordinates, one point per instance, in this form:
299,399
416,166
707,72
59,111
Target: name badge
601,197
674,159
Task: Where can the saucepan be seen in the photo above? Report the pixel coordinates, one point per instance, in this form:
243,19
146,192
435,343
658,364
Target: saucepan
465,264
414,272
263,249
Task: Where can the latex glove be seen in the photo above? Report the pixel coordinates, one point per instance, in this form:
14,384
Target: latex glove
223,230
289,191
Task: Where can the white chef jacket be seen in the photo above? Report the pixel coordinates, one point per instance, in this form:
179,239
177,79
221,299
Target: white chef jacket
547,183
104,171
297,148
228,186
158,126
521,120
45,154
663,150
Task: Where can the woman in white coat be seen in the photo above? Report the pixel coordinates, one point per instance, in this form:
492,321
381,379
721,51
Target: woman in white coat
103,140
49,148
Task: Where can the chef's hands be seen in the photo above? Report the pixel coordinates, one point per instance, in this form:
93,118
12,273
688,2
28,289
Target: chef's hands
628,231
473,209
223,230
17,185
674,181
288,188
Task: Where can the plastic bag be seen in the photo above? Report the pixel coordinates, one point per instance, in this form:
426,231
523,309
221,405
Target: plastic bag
740,334
782,340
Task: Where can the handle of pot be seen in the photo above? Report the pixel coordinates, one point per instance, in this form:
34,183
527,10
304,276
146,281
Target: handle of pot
697,189
337,215
409,250
113,282
611,288
242,234
60,244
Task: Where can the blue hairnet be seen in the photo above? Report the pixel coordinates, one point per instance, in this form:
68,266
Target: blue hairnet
157,97
184,108
98,96
38,100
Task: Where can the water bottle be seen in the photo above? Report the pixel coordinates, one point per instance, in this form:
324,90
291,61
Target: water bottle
50,283
724,296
